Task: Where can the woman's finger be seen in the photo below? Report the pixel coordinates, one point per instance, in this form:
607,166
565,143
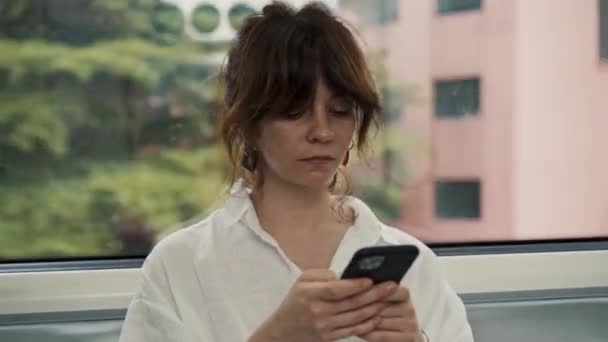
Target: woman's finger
351,318
390,336
398,310
318,275
378,293
401,294
360,329
338,289
397,324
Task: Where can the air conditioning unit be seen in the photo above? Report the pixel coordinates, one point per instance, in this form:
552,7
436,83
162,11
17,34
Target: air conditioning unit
216,21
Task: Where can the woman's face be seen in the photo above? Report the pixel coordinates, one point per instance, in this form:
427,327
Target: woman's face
305,148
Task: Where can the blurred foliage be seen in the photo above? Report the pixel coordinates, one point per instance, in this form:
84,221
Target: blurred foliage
381,178
45,93
78,213
108,118
107,126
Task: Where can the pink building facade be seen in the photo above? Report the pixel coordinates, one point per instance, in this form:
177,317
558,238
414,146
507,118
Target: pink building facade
538,144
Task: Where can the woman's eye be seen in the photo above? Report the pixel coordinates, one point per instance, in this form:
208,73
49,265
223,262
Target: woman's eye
342,111
292,115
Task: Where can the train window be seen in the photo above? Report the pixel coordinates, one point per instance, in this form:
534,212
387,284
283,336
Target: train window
109,110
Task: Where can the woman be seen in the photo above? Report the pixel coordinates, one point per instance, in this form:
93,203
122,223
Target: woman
265,267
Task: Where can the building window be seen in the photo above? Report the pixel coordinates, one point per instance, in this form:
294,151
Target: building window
449,6
391,104
456,98
458,199
603,10
389,11
373,12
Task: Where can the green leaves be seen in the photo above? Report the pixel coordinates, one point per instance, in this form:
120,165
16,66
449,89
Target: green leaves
32,114
142,61
67,214
105,120
37,119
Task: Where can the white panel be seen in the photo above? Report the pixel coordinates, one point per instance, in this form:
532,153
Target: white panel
112,289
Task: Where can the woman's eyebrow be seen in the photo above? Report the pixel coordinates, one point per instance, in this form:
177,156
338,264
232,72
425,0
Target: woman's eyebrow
342,100
336,97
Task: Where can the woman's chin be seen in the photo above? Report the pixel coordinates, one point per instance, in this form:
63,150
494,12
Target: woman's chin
315,180
308,179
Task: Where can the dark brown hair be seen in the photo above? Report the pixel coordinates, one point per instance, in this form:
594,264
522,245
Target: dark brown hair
273,66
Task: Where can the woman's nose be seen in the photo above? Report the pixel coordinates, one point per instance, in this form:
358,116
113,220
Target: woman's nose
321,130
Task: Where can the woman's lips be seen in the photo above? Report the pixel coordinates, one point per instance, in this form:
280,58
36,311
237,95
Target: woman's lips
318,161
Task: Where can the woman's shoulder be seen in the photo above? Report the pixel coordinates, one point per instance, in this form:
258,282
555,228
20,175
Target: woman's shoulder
196,239
389,234
398,236
182,244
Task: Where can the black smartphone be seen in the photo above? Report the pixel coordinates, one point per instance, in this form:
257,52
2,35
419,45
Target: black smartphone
381,263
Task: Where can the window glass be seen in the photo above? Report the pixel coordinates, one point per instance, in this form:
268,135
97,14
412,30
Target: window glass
238,13
456,98
206,18
109,112
447,6
457,199
603,28
389,10
372,12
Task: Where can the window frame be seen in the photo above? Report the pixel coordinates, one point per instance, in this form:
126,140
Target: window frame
85,290
74,285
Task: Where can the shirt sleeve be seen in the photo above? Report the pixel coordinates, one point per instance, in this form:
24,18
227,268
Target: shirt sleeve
443,316
151,322
152,314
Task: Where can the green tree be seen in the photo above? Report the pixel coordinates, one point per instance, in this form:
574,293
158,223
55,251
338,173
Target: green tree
95,95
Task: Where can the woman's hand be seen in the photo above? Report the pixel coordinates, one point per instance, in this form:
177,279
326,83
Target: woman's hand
398,322
320,307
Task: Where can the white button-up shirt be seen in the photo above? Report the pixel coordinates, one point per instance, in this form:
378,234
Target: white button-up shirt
219,279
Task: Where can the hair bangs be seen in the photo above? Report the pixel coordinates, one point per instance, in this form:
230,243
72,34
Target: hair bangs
292,69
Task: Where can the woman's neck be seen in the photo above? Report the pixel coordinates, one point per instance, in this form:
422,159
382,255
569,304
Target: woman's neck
281,207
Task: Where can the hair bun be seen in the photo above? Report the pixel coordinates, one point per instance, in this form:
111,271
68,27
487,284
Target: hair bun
277,9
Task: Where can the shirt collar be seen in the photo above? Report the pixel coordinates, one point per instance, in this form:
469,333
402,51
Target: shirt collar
237,203
366,231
